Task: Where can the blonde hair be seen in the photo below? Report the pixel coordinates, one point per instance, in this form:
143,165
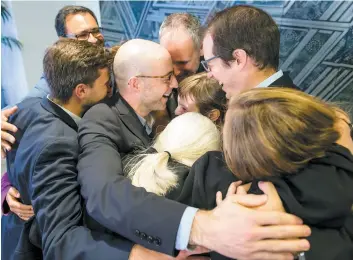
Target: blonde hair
186,138
274,131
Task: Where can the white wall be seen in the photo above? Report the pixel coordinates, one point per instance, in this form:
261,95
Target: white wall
35,25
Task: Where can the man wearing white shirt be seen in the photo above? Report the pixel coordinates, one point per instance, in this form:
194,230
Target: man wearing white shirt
241,50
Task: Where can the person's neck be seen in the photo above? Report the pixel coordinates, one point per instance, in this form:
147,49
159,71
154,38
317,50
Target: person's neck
71,105
256,76
131,100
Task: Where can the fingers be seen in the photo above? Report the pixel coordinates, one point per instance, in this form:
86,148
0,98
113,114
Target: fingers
274,202
17,207
249,200
218,198
270,256
13,192
233,188
5,126
3,153
198,258
282,232
278,246
268,188
241,190
8,112
24,217
275,218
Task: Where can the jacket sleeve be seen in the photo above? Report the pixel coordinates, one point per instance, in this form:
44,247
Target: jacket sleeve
58,208
5,186
145,218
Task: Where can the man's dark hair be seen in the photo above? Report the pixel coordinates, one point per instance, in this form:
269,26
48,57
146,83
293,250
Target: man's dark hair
60,19
248,28
69,62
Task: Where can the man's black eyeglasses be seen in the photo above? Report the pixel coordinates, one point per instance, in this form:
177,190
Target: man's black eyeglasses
167,76
83,36
205,63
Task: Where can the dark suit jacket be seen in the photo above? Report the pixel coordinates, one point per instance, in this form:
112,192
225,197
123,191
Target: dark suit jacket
42,166
107,132
321,194
284,81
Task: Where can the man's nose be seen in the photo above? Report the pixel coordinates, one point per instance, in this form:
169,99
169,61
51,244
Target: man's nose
177,70
92,39
174,82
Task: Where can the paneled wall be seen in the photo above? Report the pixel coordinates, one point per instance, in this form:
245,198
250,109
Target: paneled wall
316,36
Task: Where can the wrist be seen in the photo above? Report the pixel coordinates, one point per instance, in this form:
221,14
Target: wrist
201,229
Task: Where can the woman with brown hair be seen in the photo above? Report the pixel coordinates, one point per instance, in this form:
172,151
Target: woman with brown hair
300,144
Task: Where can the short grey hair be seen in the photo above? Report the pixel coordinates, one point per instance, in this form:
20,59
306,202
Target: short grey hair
183,20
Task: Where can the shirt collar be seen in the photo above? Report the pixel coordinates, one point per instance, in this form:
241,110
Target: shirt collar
267,82
147,124
72,115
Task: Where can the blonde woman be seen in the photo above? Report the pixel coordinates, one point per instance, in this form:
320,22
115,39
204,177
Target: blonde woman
304,147
164,167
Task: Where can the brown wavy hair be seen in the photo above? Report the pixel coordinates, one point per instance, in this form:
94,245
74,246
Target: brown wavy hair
274,131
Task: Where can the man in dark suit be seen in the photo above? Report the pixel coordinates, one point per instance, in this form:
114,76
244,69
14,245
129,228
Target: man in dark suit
112,129
241,50
42,163
71,21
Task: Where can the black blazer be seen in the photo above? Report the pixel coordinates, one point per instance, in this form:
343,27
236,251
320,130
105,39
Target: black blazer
42,166
321,194
107,132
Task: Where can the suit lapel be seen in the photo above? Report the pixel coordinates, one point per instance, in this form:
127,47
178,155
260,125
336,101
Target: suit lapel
58,112
131,121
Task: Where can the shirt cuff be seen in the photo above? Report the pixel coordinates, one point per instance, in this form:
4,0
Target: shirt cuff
184,230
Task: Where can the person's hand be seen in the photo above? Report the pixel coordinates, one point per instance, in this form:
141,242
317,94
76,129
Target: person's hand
141,253
244,233
23,211
232,189
190,255
7,139
273,203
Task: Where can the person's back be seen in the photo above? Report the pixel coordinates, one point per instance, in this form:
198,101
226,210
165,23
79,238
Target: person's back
299,144
34,116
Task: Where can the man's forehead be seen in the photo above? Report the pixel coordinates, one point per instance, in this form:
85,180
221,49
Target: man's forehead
76,23
208,46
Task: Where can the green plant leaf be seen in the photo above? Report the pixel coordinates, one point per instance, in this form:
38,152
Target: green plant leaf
11,42
5,14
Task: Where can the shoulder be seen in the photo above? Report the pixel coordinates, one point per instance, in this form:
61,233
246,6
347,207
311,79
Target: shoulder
209,161
57,148
101,112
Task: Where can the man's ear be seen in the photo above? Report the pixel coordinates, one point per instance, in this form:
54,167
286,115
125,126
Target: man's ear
81,91
134,84
240,57
214,115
